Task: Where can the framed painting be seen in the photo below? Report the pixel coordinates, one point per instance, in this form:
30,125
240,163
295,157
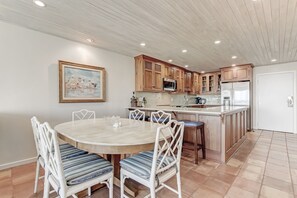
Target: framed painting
81,83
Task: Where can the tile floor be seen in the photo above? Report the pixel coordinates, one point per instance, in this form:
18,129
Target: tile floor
264,166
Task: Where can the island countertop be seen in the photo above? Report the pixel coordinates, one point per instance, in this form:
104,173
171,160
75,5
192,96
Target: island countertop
216,110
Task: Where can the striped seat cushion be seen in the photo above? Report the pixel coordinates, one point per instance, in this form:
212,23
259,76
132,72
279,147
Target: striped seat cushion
161,120
141,164
85,167
68,151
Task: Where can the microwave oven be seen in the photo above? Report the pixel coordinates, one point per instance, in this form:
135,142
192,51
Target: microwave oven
169,84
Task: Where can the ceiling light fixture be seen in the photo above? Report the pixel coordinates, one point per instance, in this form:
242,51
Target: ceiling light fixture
142,44
233,65
184,51
273,60
202,72
170,61
39,3
90,40
234,57
186,65
217,42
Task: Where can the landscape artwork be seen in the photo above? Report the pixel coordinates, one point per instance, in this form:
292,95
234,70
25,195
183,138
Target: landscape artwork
81,83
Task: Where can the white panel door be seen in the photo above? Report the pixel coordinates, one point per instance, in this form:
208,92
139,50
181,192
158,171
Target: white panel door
274,109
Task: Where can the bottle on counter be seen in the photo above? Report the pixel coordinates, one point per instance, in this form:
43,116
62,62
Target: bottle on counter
134,100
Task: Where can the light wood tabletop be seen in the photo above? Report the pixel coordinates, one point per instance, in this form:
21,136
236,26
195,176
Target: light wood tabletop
99,135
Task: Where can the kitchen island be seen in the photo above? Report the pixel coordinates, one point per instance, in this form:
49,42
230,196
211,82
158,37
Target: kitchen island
225,127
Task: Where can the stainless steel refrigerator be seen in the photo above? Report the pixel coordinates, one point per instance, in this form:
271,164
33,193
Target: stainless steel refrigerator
240,94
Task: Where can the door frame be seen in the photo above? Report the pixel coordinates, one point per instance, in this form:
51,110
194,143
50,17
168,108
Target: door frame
294,95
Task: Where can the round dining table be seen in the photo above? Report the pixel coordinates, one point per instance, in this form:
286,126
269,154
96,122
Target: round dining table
101,136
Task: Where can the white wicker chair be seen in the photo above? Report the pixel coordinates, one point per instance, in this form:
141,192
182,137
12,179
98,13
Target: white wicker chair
153,168
160,117
67,151
137,115
72,175
39,162
83,114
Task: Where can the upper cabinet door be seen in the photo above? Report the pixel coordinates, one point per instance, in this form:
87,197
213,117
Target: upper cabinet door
158,79
238,73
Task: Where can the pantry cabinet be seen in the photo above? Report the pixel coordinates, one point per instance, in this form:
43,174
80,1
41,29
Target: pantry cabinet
237,73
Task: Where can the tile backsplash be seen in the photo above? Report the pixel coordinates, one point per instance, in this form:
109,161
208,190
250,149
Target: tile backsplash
155,99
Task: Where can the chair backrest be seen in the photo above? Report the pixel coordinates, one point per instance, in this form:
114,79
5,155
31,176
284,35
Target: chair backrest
137,115
52,157
168,147
83,114
160,117
35,127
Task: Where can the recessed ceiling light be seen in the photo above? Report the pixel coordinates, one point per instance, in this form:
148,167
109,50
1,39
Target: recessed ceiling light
217,42
254,0
170,61
184,51
142,44
186,65
39,3
90,40
273,60
233,65
234,57
202,72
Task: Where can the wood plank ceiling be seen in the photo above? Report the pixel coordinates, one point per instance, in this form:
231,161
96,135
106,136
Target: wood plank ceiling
254,31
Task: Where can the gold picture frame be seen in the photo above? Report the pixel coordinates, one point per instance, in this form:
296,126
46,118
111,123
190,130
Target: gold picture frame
79,83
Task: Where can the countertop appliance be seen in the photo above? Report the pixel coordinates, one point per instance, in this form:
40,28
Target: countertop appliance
238,94
200,100
169,84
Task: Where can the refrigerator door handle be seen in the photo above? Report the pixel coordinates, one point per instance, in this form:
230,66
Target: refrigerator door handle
290,101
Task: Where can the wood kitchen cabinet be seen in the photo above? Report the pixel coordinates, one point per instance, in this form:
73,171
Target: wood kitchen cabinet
195,89
210,83
237,73
179,77
149,75
188,82
169,72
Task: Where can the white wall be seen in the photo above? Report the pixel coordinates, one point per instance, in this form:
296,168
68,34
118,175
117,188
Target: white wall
29,85
292,66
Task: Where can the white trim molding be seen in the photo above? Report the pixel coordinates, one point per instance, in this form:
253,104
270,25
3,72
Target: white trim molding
17,163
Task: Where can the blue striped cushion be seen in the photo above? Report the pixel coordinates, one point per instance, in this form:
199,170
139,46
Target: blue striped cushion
85,167
65,146
71,152
161,120
141,164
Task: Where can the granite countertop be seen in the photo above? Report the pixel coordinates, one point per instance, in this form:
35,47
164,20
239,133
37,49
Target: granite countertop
216,110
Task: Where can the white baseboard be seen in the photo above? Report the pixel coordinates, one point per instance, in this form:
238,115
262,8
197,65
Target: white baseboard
17,163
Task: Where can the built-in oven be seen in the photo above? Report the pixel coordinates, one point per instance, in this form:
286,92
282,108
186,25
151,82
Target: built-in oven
169,84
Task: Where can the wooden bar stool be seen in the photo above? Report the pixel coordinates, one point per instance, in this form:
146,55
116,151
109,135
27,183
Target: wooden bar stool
199,127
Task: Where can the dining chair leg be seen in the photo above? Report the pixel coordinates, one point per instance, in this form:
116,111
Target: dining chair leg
178,184
111,187
89,191
36,176
122,185
46,187
152,191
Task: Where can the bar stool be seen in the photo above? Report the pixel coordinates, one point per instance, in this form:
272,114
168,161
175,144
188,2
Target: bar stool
199,127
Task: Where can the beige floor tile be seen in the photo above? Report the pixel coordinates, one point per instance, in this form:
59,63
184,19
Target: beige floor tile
269,192
278,175
256,162
223,168
217,186
248,185
235,192
205,192
235,163
251,176
278,184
